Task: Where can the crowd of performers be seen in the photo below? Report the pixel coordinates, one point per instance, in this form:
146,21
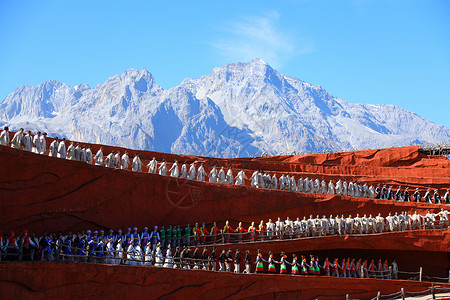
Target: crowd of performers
49,245
258,179
93,249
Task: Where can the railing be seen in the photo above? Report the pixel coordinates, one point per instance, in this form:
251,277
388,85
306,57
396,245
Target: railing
224,237
433,291
148,257
439,149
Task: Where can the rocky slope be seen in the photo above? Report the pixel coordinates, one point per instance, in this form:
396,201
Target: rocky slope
239,109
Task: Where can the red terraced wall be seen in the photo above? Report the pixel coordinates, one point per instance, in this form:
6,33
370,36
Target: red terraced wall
81,281
42,193
404,166
45,193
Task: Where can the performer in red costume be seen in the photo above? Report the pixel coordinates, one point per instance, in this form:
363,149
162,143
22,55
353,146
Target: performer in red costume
241,231
204,234
227,229
214,233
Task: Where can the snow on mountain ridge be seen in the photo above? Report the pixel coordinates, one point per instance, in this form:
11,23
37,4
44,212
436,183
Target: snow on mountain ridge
239,109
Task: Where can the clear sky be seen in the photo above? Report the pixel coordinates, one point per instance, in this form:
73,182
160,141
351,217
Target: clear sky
365,51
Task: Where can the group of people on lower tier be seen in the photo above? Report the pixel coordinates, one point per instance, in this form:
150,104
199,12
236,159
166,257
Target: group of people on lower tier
104,250
226,261
347,267
259,178
49,245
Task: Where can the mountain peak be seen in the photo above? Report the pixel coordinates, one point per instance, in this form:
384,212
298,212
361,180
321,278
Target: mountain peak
145,74
258,61
132,72
249,108
129,73
142,80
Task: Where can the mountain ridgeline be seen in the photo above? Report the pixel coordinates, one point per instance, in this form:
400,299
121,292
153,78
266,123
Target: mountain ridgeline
240,109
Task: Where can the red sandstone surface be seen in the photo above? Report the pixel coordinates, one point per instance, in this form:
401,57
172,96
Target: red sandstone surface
43,193
46,193
83,281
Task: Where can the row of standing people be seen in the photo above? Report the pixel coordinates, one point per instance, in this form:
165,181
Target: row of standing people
34,248
192,258
259,178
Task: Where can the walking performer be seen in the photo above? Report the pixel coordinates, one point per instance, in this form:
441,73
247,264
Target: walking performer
259,262
222,261
168,263
240,178
27,142
272,262
335,268
270,226
152,166
248,261
343,272
159,259
184,172
241,230
136,165
317,266
326,267
201,173
229,177
205,259
228,260
213,259
304,266
214,233
174,171
148,254
213,175
204,233
237,262
4,137
163,168
371,270
312,269
443,218
262,230
36,143
227,230
283,262
221,176
192,171
294,264
17,140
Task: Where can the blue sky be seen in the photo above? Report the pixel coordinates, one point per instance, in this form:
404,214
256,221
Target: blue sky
365,51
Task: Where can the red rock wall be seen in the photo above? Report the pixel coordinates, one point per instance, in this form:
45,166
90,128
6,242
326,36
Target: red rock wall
44,193
397,166
82,281
404,166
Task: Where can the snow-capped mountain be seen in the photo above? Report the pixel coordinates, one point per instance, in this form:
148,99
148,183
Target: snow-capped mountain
239,109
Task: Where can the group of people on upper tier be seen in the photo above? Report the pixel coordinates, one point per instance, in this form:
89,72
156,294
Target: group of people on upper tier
324,226
258,179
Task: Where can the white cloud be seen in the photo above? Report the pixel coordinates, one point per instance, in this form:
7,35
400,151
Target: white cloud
262,37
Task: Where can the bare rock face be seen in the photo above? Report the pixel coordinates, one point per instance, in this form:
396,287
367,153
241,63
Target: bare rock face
240,109
46,280
44,193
